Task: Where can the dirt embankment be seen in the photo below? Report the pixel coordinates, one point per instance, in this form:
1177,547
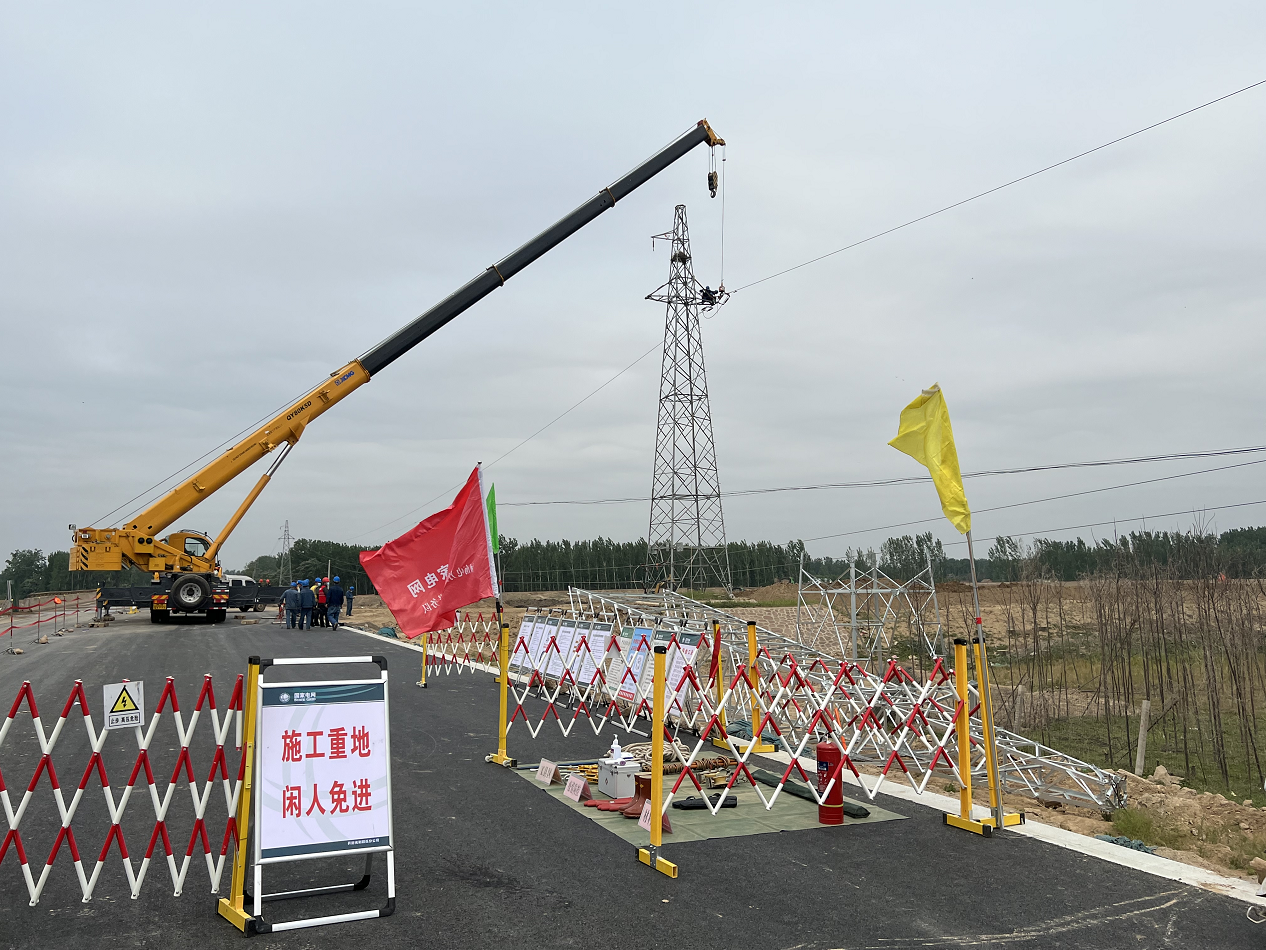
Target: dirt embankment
1203,829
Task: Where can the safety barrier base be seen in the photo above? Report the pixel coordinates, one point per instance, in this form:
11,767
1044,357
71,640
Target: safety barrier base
985,826
663,865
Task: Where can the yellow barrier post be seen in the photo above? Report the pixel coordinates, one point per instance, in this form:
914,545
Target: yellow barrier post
232,908
501,756
991,747
650,856
753,682
718,680
962,726
964,819
422,681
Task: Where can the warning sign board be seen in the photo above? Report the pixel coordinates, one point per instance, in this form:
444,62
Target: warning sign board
124,704
324,779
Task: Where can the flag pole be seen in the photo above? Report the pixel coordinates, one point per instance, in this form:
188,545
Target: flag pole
986,700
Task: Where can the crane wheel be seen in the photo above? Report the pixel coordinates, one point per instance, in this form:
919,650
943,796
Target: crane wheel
189,591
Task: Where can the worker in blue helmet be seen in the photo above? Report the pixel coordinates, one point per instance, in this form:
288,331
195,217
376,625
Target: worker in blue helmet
333,602
292,601
308,604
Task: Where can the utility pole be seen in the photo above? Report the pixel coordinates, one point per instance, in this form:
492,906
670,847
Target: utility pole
686,540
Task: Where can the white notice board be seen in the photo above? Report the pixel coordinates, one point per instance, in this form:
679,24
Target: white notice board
324,774
546,628
593,652
519,648
638,651
558,658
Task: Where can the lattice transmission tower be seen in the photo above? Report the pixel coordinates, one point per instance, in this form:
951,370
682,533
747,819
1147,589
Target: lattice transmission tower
686,541
285,570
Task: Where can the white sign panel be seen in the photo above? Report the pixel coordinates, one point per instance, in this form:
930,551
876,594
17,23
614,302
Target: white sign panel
323,770
558,658
124,704
579,644
680,655
544,631
640,649
593,652
519,648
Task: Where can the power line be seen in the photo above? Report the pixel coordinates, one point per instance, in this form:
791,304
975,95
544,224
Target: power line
574,405
1038,501
1114,521
912,479
229,441
1014,181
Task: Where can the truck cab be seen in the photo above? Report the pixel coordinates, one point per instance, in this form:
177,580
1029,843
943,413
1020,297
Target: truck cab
244,592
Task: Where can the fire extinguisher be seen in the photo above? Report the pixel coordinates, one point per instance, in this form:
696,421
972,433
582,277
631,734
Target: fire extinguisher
831,811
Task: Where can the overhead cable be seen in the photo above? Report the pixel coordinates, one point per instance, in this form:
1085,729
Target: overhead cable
909,480
996,188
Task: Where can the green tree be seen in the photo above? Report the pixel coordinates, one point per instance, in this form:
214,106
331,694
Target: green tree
1004,559
25,569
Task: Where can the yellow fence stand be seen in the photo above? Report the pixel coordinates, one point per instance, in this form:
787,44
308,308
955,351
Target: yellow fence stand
964,818
753,682
501,756
422,681
232,908
718,685
650,856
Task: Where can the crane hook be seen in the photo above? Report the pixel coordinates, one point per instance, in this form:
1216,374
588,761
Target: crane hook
713,181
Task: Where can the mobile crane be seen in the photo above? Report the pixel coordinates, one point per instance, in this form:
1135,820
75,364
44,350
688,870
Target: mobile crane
186,573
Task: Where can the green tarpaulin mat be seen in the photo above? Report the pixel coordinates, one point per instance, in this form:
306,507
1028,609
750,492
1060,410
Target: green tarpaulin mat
749,818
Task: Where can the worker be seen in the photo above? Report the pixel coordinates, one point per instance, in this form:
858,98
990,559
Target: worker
307,604
351,592
334,602
322,606
294,603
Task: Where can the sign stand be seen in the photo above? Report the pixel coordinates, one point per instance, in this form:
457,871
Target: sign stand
320,753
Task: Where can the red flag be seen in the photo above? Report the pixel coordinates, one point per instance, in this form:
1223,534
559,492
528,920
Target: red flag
444,564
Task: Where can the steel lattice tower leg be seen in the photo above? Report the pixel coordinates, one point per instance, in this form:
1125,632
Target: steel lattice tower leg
686,541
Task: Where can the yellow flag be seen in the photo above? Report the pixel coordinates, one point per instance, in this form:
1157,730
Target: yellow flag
925,435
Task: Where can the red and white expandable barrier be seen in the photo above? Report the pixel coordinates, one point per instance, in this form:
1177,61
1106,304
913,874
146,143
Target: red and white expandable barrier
142,771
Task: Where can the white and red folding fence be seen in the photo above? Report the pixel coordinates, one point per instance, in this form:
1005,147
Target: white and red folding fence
46,819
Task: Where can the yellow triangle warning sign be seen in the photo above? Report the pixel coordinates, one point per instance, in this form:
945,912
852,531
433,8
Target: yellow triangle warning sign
124,703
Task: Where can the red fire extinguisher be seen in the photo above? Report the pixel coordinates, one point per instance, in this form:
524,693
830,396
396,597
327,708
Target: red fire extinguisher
831,811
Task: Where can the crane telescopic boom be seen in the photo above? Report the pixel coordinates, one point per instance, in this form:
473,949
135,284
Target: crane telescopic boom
135,542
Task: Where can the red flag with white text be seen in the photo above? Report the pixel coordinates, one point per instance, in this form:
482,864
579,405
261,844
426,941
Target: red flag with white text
444,564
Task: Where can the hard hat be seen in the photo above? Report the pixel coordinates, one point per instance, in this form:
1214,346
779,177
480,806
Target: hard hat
336,580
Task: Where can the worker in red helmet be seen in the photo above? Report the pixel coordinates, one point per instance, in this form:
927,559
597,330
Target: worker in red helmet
321,617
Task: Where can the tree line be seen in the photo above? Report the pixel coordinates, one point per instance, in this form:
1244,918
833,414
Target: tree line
606,564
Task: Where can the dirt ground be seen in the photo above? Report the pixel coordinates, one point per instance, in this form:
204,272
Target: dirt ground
1202,829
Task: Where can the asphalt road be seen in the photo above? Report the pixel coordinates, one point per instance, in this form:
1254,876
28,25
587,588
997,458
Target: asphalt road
485,859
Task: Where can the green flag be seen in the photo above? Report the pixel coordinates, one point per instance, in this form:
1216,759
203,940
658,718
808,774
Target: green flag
492,519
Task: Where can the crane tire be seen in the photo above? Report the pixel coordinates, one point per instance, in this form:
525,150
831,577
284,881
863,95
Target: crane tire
189,591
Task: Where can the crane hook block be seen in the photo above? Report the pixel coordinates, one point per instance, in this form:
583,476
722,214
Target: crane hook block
712,183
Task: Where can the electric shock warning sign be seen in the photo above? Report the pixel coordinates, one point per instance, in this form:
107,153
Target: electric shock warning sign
124,704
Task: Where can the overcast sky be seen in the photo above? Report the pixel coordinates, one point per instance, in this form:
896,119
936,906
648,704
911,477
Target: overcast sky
205,211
